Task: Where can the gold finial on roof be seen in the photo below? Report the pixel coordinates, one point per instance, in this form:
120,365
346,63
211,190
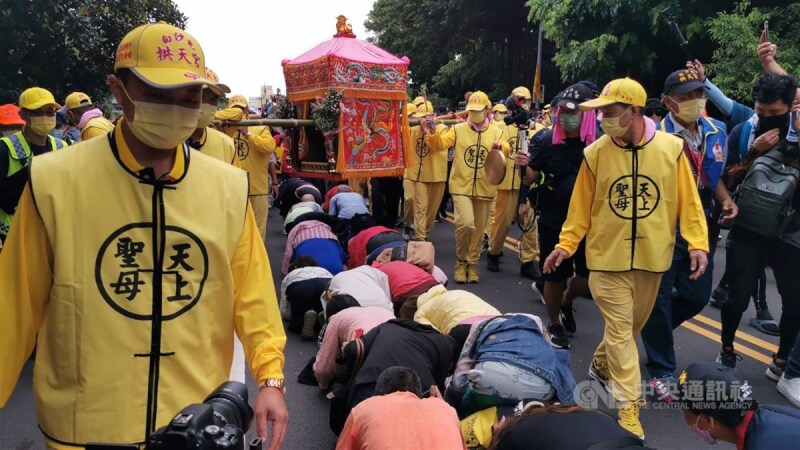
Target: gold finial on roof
343,29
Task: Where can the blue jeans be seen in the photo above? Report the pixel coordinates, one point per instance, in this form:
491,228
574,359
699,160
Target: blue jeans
674,308
792,369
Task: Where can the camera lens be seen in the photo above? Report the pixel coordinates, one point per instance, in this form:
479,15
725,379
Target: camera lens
229,402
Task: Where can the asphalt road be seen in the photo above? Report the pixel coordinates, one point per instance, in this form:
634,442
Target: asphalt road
308,423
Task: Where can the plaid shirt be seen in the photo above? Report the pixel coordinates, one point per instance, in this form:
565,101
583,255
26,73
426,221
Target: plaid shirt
310,229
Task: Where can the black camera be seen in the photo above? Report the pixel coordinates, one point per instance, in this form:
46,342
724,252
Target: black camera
220,422
517,115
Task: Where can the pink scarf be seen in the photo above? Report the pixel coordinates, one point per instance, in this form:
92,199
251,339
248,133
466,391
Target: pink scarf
588,128
89,115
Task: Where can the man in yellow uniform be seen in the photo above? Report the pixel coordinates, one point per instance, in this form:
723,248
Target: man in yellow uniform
38,110
208,140
425,177
133,291
253,145
631,189
504,207
471,191
86,117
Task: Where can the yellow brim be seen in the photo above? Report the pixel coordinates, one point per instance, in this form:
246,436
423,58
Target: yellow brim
474,107
219,89
597,103
38,105
169,77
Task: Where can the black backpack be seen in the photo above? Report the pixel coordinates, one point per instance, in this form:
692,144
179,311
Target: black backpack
766,193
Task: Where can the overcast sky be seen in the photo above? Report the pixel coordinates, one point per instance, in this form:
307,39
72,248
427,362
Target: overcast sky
245,40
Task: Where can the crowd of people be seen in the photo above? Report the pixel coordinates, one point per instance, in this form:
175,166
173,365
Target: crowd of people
115,235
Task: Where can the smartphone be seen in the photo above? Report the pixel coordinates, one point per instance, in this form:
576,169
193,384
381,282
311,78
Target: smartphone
766,30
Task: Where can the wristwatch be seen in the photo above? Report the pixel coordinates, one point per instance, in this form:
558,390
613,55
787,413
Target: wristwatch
277,383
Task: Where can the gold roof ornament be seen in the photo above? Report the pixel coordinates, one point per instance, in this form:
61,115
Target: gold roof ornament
343,29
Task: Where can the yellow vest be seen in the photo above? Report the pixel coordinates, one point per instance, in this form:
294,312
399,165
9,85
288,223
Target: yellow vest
636,204
511,181
467,176
98,126
427,165
218,145
255,162
142,290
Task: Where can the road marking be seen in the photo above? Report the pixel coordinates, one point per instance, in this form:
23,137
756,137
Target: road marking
512,244
743,349
739,334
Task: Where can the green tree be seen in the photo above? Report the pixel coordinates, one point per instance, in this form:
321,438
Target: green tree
459,45
605,39
734,67
67,45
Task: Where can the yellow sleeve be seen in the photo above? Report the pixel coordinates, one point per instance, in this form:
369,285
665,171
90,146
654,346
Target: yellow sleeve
26,277
691,217
261,140
441,139
258,319
580,211
90,132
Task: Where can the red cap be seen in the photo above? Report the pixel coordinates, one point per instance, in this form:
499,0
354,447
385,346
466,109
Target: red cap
9,115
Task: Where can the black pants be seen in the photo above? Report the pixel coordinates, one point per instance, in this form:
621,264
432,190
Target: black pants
751,253
446,196
386,195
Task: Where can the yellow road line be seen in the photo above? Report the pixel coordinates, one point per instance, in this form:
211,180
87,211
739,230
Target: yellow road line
768,346
743,349
739,334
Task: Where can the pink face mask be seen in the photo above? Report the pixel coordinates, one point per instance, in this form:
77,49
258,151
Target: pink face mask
704,434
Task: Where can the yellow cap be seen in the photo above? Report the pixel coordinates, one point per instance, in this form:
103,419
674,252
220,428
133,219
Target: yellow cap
162,56
621,90
35,98
410,109
218,88
500,108
521,91
478,101
477,428
423,109
76,100
418,100
238,100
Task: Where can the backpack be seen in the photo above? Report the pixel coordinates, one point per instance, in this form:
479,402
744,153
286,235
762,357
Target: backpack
766,193
773,427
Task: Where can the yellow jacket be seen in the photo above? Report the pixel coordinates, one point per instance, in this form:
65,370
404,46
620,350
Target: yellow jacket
627,203
511,181
467,176
254,154
427,165
99,126
125,316
218,145
443,309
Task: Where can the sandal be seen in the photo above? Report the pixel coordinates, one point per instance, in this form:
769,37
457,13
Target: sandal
768,326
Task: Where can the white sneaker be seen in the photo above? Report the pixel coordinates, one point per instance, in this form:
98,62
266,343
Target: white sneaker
537,295
790,388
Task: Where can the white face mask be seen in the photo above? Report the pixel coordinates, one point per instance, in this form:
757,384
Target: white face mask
207,113
161,126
